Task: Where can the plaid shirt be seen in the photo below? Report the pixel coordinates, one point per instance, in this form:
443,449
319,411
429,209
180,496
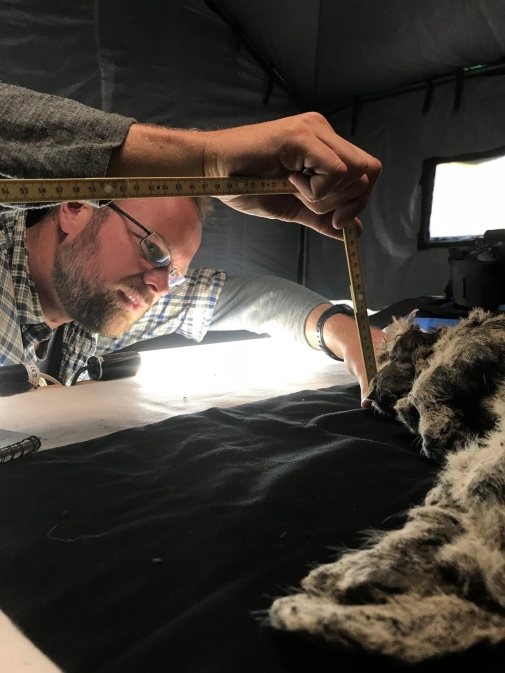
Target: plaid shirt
22,327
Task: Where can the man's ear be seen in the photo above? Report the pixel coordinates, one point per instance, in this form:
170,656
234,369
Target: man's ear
73,216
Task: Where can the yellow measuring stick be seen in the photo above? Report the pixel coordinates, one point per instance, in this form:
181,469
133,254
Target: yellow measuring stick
53,190
359,299
59,190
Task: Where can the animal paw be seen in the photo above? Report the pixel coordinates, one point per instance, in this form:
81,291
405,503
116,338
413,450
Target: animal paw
357,578
400,561
410,628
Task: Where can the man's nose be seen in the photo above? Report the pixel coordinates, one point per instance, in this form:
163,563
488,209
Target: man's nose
157,280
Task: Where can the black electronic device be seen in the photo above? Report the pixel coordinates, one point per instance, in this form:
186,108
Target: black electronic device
20,378
478,272
16,379
113,365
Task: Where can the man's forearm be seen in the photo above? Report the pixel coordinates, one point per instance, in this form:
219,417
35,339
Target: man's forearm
155,151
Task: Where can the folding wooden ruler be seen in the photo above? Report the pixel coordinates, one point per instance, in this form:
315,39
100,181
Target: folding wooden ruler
54,190
358,297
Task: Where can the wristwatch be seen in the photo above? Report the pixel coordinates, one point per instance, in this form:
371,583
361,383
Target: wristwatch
333,310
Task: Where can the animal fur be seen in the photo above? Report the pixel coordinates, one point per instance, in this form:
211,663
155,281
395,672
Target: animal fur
436,586
444,385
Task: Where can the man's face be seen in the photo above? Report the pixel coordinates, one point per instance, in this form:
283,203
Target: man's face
101,275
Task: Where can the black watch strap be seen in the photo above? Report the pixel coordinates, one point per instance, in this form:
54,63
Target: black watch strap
333,310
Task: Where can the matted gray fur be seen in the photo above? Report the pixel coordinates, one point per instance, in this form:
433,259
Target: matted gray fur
437,585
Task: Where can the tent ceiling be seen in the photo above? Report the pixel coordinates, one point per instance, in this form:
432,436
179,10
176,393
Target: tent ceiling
332,50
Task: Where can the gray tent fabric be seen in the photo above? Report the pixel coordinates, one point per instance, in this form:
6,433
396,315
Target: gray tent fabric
329,50
216,63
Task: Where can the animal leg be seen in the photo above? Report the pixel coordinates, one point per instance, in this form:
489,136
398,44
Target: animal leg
410,627
401,560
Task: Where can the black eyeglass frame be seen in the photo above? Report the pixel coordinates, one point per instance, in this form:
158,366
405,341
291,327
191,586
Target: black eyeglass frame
154,248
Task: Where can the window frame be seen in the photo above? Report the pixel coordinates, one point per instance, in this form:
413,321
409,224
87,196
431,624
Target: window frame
427,186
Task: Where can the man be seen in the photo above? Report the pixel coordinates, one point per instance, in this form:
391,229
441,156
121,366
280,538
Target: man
89,272
87,276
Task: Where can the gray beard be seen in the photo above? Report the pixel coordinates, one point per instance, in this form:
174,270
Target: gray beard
93,309
75,265
76,275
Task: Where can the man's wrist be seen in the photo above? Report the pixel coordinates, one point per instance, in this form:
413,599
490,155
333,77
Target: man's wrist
330,312
339,329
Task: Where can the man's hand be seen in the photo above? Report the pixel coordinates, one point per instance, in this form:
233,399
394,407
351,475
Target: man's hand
341,177
341,181
353,359
341,337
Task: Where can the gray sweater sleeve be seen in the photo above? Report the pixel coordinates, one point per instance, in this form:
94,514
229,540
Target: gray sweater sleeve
43,136
265,305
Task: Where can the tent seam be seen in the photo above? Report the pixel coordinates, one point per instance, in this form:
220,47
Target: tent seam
316,57
98,53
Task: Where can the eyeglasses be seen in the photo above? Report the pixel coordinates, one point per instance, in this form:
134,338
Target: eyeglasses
154,248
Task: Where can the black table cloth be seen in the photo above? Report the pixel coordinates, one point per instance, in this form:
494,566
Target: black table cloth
156,549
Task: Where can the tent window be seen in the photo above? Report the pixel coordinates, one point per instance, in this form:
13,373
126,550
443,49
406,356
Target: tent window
462,197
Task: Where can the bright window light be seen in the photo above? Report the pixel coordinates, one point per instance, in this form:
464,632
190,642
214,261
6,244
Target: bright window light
468,198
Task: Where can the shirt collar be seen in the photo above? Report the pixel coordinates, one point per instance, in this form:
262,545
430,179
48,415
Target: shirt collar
27,299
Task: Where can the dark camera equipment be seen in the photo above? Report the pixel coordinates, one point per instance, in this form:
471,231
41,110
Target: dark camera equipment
110,366
20,378
478,272
113,366
16,379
